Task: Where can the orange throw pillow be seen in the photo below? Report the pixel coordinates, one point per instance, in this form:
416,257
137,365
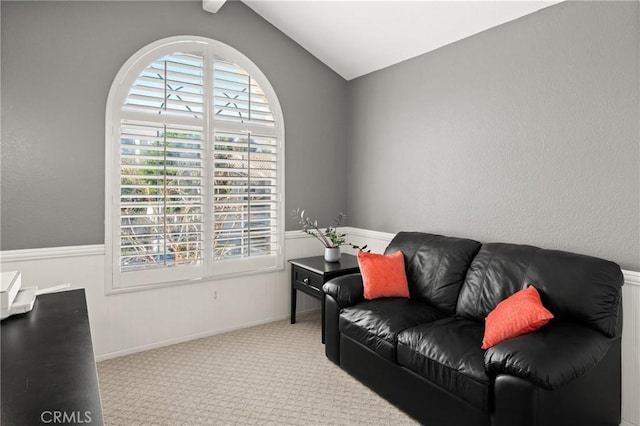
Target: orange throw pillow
383,275
518,314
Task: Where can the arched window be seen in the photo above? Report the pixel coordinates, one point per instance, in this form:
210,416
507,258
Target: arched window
195,166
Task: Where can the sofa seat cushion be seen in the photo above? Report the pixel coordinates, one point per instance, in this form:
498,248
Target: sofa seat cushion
376,323
447,353
552,356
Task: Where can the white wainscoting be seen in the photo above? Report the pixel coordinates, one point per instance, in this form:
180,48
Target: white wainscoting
136,321
631,349
132,322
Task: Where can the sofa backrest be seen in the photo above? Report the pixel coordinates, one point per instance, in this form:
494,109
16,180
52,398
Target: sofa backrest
572,286
436,266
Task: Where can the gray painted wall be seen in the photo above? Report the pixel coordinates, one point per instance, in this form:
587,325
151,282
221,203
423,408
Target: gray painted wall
525,133
58,62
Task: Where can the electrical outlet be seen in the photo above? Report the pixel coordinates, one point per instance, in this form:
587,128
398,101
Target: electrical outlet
215,294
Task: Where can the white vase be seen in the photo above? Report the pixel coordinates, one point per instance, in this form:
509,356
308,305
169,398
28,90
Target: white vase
332,254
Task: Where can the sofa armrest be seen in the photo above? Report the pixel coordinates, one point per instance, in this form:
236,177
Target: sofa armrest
340,292
550,357
347,290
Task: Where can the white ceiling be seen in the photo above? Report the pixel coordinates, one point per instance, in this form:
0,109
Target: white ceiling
356,37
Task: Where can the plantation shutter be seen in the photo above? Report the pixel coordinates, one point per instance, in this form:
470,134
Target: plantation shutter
245,166
238,98
161,166
199,175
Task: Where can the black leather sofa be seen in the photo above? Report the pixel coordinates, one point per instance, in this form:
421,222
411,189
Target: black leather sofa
423,353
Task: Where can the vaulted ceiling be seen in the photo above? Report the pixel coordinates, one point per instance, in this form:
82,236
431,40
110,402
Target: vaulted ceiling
356,37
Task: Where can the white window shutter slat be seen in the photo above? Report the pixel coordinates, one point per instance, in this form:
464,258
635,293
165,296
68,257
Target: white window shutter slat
199,177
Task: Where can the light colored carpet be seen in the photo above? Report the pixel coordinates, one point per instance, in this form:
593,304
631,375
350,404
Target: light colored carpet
273,374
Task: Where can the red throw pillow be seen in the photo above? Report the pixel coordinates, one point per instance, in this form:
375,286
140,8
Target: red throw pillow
518,314
383,275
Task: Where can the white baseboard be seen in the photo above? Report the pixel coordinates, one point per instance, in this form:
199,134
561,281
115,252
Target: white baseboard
169,342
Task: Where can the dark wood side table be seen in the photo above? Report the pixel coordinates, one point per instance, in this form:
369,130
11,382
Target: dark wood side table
48,367
309,273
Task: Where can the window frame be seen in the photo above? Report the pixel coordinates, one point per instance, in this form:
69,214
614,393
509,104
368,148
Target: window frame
209,269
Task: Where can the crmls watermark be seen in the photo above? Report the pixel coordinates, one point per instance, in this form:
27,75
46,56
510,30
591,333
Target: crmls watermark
65,417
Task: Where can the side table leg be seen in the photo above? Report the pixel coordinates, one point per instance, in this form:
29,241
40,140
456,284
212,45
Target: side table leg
294,294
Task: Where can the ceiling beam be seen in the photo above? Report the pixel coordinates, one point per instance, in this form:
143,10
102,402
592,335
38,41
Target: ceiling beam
212,6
